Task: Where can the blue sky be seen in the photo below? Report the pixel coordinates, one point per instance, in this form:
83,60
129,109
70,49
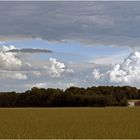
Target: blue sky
92,43
71,51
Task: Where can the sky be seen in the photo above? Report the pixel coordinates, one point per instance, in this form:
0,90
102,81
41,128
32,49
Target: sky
60,44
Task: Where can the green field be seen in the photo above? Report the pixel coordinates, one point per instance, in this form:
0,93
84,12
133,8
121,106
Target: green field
115,122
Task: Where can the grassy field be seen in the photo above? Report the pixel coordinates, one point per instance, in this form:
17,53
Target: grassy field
112,122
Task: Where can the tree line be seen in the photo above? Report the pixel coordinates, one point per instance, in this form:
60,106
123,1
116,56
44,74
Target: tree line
100,96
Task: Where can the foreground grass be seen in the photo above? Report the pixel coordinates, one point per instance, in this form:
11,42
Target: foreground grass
114,122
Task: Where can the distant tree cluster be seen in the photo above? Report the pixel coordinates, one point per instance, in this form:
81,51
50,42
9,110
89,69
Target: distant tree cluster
71,97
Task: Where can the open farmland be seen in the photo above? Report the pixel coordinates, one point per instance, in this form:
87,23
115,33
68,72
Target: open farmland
110,122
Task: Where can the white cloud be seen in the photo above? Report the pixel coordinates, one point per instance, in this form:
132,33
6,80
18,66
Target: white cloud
13,61
10,60
11,65
39,85
12,75
58,84
69,71
7,48
125,73
96,74
56,68
36,73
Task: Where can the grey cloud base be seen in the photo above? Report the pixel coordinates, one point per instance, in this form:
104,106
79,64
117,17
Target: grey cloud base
29,50
109,23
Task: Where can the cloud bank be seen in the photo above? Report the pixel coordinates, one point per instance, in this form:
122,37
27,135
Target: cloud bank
52,72
13,67
126,73
108,23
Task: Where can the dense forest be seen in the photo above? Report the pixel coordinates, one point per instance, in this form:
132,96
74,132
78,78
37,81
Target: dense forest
71,97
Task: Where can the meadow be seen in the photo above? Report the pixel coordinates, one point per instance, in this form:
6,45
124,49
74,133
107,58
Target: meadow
103,122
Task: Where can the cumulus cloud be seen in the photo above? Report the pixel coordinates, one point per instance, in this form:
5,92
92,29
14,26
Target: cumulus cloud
56,68
125,73
9,60
96,74
91,22
10,65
